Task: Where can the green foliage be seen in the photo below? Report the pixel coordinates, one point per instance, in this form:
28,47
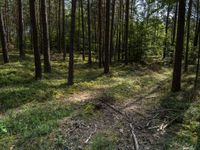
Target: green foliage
146,39
36,122
103,142
3,129
89,109
33,109
186,129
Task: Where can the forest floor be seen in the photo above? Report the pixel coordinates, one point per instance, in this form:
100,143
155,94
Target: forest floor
97,112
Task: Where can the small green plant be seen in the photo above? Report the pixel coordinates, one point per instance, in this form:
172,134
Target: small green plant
2,128
101,142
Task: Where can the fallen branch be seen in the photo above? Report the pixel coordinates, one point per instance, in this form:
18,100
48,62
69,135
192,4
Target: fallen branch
148,123
117,111
168,124
136,145
90,136
127,118
163,126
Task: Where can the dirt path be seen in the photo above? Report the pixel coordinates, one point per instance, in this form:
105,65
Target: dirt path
141,109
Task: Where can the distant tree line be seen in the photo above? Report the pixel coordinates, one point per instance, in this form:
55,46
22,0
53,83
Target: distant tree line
103,31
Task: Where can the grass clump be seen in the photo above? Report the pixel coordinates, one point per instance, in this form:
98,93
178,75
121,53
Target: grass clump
33,123
103,141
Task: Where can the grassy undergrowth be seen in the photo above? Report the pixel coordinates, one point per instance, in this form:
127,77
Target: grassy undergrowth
186,131
30,110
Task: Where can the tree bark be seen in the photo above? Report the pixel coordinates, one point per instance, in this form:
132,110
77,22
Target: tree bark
197,30
107,50
46,46
71,53
176,82
83,31
21,30
59,27
3,40
89,35
166,32
188,36
126,32
175,23
38,68
64,31
198,64
100,33
112,31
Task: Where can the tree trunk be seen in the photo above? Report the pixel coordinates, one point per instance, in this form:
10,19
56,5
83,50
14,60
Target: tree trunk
59,27
20,30
175,23
120,30
38,68
198,64
188,35
111,31
83,30
71,53
63,32
46,46
107,51
166,32
49,22
79,27
197,30
3,40
126,32
100,34
6,19
176,82
89,35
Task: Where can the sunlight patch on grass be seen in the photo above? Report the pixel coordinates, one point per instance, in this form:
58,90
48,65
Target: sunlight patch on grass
33,122
32,109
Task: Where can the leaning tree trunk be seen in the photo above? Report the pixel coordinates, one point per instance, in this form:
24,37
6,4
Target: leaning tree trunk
71,53
46,45
176,82
21,30
3,40
38,68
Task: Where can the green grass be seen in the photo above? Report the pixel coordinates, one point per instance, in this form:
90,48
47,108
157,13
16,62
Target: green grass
103,141
31,110
187,129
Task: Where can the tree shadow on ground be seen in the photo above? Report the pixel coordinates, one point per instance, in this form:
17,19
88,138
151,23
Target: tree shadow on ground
174,107
18,87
